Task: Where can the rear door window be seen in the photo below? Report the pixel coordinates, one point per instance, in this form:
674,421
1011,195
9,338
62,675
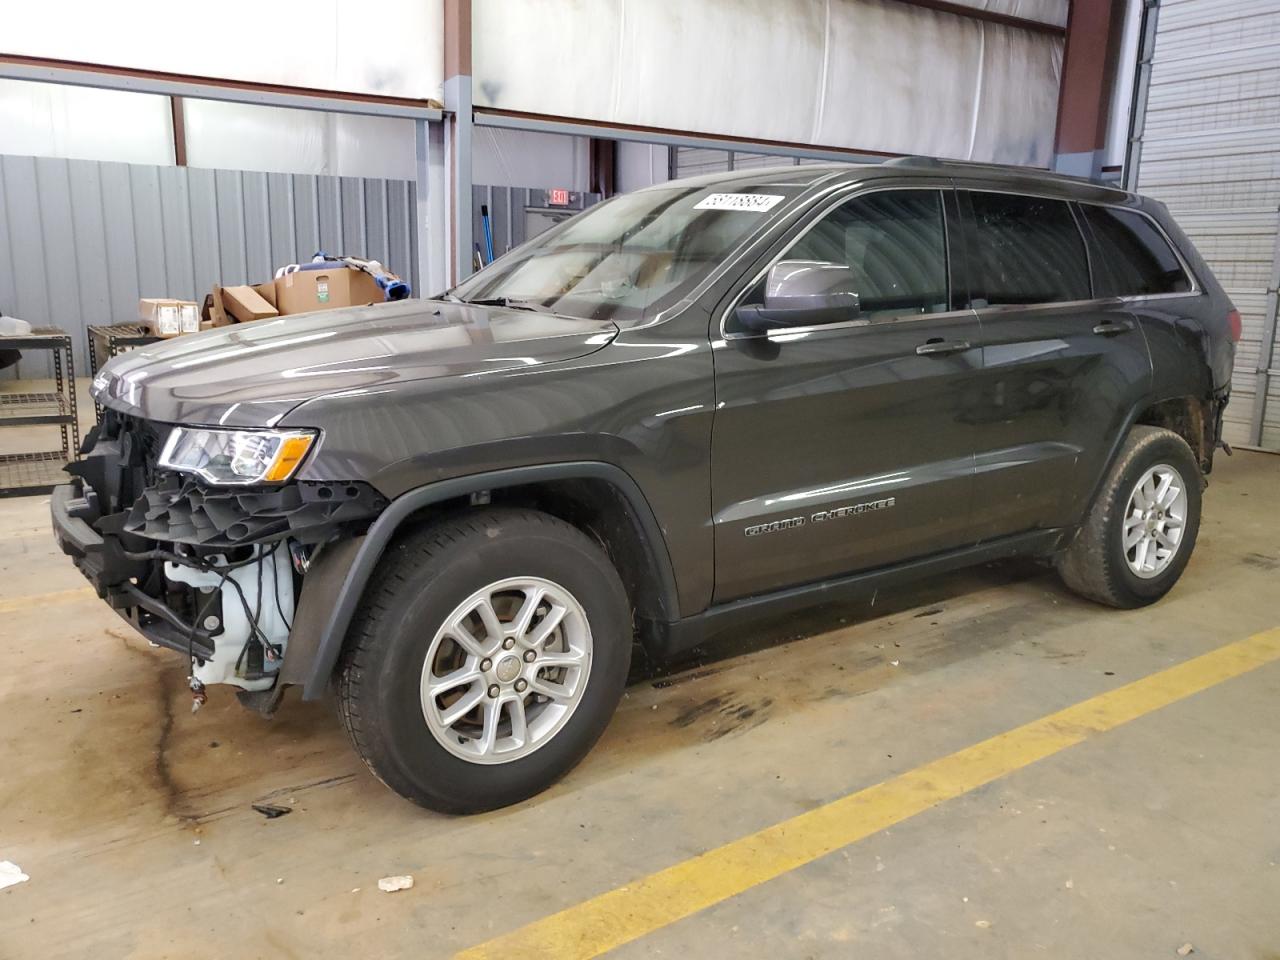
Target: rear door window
1025,250
1133,258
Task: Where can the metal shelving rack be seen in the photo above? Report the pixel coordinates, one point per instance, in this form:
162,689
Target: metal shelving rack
108,340
40,470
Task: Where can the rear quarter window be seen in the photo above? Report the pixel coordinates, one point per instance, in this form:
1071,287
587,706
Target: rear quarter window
1133,257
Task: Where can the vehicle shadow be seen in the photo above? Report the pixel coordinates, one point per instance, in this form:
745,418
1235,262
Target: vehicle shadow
779,630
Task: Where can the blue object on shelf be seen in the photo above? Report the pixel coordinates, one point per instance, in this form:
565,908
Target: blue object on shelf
392,287
488,234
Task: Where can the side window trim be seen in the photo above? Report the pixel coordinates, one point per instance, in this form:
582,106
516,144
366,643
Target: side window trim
833,204
1082,228
969,244
1093,245
958,263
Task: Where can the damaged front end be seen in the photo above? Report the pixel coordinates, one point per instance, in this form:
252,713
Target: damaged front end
210,570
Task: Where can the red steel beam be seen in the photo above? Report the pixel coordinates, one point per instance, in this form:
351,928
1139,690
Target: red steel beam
1095,31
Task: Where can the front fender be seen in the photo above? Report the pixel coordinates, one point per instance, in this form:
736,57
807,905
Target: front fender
335,584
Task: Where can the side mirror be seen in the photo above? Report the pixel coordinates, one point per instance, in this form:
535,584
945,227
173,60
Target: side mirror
800,293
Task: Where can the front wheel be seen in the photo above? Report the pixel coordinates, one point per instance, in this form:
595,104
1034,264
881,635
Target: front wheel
486,660
1140,532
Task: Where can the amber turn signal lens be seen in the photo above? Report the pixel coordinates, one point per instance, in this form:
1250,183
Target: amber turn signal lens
291,453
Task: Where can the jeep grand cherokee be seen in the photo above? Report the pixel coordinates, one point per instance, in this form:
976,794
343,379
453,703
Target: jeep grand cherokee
680,410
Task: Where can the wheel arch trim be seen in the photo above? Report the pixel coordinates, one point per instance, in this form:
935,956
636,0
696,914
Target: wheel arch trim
1131,420
314,671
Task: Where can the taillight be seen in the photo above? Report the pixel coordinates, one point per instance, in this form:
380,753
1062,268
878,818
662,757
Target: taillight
1233,321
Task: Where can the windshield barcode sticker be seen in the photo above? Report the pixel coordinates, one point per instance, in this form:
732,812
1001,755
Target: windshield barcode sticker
749,202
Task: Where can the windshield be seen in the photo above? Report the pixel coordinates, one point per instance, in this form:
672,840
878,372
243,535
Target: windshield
631,256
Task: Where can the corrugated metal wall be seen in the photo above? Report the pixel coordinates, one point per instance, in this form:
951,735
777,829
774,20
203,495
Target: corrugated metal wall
1211,151
82,241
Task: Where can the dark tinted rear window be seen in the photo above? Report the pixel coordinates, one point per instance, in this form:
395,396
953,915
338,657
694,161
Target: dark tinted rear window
1133,257
1026,250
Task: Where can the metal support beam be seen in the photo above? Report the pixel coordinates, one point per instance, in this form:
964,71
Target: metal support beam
1095,31
972,12
173,85
437,221
428,223
576,128
457,98
1141,91
458,133
178,119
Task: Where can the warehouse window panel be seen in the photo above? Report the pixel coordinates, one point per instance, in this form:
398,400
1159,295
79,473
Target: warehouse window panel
322,45
238,136
83,123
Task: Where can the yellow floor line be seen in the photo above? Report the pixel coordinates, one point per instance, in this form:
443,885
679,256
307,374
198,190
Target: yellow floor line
650,903
41,599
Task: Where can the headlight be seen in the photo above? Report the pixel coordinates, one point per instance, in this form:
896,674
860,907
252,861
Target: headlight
236,456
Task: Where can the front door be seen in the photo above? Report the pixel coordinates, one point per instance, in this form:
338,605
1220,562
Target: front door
846,446
1062,367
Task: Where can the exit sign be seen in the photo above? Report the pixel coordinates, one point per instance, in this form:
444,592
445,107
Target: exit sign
557,197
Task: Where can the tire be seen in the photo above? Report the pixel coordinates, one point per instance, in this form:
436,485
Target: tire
422,582
1097,565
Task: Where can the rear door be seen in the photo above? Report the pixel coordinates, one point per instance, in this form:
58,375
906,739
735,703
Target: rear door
1062,367
1134,259
846,446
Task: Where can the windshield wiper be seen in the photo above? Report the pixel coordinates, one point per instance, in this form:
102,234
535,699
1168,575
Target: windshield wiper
509,304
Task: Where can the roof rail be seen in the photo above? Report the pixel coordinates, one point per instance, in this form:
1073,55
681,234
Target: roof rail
942,163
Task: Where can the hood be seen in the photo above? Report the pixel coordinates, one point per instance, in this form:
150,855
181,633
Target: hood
252,374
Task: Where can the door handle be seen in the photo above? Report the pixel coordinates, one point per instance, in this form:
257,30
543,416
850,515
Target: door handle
1109,328
937,347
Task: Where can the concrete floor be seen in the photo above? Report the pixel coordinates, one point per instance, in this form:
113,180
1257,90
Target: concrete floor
133,818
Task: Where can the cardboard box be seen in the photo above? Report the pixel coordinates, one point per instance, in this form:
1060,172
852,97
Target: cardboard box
162,316
306,290
188,318
217,314
246,304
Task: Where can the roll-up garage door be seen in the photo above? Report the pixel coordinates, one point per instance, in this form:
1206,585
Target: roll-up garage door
1210,148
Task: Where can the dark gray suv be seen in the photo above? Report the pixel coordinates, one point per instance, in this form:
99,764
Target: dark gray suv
683,409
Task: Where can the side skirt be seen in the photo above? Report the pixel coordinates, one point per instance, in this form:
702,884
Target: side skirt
666,640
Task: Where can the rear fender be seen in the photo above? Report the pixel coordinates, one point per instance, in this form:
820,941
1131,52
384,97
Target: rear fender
1117,441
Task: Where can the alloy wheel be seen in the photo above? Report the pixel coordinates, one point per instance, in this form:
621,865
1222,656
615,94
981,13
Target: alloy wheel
1155,521
506,670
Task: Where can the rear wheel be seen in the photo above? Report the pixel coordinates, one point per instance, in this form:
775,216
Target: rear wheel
487,660
1140,532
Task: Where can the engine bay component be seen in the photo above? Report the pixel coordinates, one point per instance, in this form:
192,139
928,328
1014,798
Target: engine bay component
257,603
180,509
